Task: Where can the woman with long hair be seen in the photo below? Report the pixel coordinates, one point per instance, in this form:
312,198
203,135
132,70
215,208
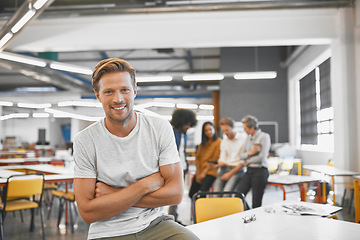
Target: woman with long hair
208,153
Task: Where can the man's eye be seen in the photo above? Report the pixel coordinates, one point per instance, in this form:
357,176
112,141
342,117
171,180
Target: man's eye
108,92
125,90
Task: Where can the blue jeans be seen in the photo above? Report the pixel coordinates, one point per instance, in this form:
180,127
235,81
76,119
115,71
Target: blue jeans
229,185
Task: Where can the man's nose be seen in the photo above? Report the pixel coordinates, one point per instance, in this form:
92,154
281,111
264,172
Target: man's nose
118,97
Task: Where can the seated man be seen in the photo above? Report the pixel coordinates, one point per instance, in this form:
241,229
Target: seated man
230,171
126,165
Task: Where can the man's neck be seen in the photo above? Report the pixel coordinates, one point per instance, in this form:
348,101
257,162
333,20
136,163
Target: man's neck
232,136
121,129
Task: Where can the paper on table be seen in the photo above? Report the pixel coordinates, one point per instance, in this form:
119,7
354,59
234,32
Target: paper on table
304,210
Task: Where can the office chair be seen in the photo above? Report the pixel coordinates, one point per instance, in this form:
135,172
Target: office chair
23,192
211,205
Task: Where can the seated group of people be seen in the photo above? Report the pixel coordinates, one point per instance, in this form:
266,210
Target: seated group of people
236,163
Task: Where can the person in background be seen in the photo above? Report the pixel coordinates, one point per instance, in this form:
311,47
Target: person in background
254,154
127,168
230,166
206,160
181,121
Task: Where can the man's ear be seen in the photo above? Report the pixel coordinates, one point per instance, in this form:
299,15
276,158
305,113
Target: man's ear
97,96
135,91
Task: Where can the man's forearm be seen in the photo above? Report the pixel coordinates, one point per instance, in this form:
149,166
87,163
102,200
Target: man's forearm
169,194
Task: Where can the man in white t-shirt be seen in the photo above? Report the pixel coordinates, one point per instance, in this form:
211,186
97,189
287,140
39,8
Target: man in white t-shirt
230,171
126,165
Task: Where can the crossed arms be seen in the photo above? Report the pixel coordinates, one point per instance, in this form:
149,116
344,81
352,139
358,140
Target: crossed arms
98,201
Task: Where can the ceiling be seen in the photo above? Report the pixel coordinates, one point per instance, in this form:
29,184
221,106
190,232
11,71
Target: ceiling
17,78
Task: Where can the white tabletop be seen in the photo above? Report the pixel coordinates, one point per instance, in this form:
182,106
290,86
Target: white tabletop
291,179
57,173
272,223
357,177
329,170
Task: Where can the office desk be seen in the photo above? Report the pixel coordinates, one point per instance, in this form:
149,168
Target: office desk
276,225
288,180
332,172
357,198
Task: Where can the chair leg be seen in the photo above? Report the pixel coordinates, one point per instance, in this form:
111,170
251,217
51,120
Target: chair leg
351,200
21,216
51,204
343,198
1,227
71,217
42,221
32,224
60,211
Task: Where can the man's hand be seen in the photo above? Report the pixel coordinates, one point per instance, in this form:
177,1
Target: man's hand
102,189
221,164
226,176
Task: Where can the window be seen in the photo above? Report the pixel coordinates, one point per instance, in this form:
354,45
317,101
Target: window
317,116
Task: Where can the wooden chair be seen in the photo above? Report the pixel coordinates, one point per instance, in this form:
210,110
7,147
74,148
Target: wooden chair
23,192
211,205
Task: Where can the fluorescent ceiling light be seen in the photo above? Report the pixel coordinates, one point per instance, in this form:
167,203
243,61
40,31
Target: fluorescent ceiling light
5,39
163,104
79,104
203,77
255,75
39,4
187,105
63,114
40,115
206,107
23,20
34,105
200,2
7,104
71,68
19,115
154,79
205,118
22,59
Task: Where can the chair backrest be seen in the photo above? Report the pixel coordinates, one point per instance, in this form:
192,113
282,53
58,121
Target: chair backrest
23,186
273,166
211,205
287,165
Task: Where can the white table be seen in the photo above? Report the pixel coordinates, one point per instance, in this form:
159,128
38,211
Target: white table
332,172
276,226
288,180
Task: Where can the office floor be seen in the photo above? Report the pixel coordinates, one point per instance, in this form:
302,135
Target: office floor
14,229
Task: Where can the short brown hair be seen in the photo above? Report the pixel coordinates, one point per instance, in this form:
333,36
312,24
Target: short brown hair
111,65
227,121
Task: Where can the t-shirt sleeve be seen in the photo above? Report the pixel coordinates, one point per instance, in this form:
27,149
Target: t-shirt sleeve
168,151
84,160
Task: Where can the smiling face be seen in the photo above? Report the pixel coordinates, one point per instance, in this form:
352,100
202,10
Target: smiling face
117,94
209,131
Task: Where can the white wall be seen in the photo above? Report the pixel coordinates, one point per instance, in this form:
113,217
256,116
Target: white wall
345,92
25,130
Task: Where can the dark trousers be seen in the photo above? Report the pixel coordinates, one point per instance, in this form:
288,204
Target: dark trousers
255,179
204,186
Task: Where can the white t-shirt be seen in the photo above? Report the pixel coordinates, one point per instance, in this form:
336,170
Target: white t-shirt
121,161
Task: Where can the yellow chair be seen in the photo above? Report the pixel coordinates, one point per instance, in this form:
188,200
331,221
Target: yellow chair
211,205
23,192
286,166
64,198
273,166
